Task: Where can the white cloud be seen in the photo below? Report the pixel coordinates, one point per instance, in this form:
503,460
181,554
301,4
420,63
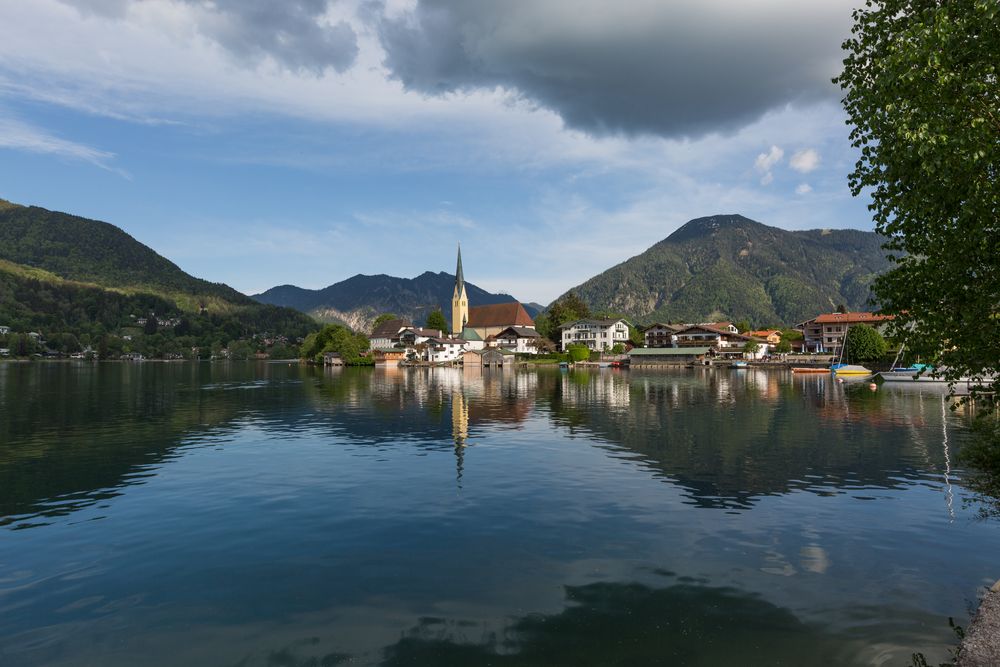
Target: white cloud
803,189
18,135
766,161
804,161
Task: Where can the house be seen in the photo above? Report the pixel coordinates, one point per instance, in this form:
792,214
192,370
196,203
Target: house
4,351
386,334
825,333
492,319
517,339
444,350
661,335
391,357
4,330
411,336
724,326
772,336
660,356
489,357
595,334
332,359
721,340
474,340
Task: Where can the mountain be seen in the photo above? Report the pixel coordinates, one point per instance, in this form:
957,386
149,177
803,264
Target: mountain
733,268
358,300
62,273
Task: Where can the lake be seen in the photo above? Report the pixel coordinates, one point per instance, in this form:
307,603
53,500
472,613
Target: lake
274,514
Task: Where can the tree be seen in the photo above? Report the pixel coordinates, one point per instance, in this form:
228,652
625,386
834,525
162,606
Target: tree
437,321
618,348
742,326
842,309
864,344
920,82
751,347
567,309
783,347
578,352
636,337
149,328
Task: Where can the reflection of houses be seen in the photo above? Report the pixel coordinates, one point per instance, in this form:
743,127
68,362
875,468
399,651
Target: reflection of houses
523,340
661,335
595,334
658,356
826,332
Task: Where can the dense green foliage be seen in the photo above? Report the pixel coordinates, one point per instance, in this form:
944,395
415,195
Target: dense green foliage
338,339
93,316
578,352
436,320
567,309
784,346
923,97
751,347
864,343
730,267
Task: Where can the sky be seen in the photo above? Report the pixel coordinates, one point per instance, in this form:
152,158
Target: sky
261,143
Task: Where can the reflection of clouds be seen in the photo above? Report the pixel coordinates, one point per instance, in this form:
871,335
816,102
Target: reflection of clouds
814,559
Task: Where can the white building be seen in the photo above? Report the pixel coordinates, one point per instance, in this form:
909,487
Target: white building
595,334
386,335
518,339
4,331
444,350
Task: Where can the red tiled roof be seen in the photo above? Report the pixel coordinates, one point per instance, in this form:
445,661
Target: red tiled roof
499,315
764,333
850,318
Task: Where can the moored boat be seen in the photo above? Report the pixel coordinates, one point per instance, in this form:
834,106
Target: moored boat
849,369
740,364
810,369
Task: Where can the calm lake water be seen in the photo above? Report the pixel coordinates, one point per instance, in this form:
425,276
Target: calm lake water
267,514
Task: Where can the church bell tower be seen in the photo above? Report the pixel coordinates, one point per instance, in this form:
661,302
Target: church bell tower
459,300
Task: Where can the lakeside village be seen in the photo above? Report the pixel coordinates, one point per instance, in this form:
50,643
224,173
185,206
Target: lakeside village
489,335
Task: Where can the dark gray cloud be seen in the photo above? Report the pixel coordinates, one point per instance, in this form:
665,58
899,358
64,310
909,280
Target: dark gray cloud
662,67
294,33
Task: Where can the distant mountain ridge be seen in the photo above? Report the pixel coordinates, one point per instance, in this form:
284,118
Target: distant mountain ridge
358,300
732,267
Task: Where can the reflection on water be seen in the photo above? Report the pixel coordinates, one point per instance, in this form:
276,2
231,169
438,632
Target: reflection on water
276,514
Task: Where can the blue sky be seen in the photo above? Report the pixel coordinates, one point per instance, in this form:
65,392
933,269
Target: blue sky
259,143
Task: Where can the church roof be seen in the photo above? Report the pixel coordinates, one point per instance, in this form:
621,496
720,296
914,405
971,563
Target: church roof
469,334
507,314
459,275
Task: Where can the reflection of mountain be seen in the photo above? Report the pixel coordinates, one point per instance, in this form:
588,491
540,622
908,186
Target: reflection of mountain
627,624
730,437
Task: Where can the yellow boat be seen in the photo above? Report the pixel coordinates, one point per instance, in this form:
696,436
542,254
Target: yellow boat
849,369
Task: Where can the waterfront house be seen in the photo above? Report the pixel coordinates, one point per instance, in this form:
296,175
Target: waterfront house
386,335
4,330
332,359
522,340
825,333
595,334
4,351
444,350
391,357
661,335
488,357
665,356
474,340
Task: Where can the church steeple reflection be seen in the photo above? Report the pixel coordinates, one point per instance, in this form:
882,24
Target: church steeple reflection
459,430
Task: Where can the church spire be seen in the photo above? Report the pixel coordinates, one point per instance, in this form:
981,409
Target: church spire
459,300
459,277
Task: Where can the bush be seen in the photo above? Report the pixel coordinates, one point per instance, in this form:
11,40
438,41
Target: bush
578,352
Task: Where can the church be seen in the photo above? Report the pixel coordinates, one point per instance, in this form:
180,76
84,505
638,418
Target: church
484,322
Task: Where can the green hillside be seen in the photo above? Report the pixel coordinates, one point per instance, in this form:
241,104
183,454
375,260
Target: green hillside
83,280
96,252
730,267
